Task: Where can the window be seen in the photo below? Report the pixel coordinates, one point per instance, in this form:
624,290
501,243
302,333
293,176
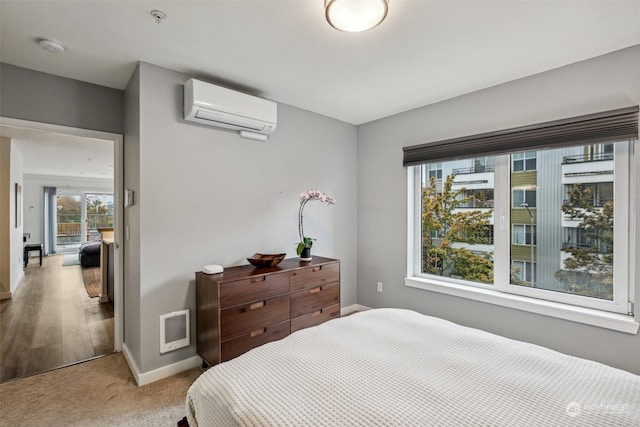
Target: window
522,271
478,198
99,213
434,170
523,161
522,234
563,233
596,194
465,233
522,196
483,164
565,255
599,152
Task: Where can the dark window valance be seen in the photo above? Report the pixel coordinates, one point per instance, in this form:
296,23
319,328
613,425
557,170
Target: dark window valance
609,126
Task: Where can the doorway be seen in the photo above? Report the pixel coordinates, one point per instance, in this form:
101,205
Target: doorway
98,209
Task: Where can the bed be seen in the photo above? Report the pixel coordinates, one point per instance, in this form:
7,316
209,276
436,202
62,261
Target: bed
393,367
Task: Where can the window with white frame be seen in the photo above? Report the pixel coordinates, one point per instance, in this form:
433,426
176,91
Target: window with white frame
524,195
521,162
522,271
535,256
434,170
523,234
552,267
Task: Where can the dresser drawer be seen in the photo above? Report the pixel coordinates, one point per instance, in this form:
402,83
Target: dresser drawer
313,299
317,275
315,318
236,346
244,318
254,288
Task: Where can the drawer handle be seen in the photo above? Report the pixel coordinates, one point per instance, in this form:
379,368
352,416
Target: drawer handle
258,332
259,279
315,290
317,313
318,268
256,305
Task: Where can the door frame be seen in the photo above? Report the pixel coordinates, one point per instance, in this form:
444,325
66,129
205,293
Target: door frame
118,185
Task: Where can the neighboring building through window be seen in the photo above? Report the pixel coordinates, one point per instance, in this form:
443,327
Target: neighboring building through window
434,170
572,209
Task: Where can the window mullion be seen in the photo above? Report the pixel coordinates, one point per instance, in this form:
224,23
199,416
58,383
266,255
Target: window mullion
621,225
502,227
414,223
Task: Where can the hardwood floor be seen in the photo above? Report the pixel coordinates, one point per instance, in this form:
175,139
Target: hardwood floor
51,321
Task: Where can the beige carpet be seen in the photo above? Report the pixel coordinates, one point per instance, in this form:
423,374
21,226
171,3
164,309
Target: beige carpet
92,281
101,392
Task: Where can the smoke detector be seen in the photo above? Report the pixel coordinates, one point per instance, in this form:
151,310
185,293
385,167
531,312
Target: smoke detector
50,45
159,16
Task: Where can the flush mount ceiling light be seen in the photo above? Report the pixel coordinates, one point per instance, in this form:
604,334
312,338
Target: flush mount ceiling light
355,15
50,45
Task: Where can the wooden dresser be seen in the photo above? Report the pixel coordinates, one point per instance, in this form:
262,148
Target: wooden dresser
244,307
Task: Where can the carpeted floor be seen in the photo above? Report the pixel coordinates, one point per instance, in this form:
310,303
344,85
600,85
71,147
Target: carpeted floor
92,281
101,392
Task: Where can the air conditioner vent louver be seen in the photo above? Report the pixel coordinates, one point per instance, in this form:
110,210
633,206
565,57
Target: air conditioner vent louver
217,120
220,107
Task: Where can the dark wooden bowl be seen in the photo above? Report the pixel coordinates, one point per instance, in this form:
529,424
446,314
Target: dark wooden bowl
266,260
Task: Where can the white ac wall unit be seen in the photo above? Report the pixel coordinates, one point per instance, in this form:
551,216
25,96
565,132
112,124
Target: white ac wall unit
253,117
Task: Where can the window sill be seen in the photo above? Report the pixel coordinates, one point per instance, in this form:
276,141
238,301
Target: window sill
588,316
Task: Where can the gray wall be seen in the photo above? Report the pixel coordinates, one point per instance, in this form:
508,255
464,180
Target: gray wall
41,97
206,196
131,244
603,83
197,202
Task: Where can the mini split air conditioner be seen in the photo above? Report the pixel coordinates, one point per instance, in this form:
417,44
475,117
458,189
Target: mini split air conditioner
252,117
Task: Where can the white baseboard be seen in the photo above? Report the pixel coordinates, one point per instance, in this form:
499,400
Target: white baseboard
5,295
352,309
144,378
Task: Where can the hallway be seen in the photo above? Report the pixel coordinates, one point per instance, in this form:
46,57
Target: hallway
51,321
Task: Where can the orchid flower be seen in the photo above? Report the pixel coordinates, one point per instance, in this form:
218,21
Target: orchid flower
306,197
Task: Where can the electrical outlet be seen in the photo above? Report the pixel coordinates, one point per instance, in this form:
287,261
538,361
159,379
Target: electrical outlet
379,288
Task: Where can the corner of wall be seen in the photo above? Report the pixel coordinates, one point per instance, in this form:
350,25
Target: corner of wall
144,378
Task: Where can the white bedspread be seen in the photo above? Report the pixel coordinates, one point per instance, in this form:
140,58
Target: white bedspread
390,367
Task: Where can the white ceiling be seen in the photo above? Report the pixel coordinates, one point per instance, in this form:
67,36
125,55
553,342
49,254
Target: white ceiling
424,52
54,154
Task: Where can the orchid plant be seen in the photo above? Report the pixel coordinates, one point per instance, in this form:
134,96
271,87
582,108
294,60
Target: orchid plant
306,197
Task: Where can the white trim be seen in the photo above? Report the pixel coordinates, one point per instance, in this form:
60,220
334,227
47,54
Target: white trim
588,316
144,378
49,127
624,268
5,295
133,367
118,142
118,253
